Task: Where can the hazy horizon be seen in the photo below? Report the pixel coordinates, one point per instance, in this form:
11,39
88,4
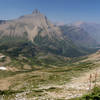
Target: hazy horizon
63,11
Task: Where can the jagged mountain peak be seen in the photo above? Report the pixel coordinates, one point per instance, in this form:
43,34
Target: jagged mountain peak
36,11
40,31
32,24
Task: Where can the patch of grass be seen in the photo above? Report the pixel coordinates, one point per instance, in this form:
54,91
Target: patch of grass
3,59
93,95
53,89
9,92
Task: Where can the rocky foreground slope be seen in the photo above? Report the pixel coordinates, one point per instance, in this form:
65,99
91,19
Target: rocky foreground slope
66,82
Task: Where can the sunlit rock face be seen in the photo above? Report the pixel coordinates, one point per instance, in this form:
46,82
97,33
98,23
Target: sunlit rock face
31,24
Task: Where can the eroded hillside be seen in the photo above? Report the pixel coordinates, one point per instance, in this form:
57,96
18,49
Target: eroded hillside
70,80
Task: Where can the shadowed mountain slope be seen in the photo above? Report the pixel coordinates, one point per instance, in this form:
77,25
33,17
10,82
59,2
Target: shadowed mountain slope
92,28
79,36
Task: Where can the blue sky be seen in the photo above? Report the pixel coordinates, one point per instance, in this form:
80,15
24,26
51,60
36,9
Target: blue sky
56,10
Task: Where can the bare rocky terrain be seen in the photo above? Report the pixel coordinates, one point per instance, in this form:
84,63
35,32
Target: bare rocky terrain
53,83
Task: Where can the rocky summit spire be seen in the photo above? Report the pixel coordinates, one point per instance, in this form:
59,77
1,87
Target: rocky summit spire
36,11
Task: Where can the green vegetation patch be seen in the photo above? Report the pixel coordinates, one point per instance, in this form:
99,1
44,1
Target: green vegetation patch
94,94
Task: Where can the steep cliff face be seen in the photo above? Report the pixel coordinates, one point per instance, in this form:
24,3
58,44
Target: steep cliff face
31,24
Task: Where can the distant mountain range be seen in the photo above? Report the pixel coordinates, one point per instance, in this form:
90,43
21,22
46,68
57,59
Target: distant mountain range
93,29
33,34
79,36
